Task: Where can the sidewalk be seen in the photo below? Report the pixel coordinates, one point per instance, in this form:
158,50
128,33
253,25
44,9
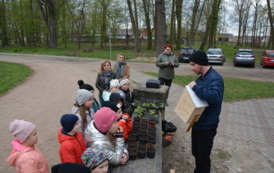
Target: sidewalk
245,131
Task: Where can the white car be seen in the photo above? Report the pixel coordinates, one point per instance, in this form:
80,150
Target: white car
215,55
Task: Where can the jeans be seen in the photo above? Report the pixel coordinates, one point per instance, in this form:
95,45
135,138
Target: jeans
166,82
202,142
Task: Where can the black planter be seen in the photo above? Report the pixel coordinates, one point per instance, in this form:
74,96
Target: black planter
132,148
151,139
151,145
133,143
132,155
137,118
141,153
132,138
143,139
142,145
135,133
151,153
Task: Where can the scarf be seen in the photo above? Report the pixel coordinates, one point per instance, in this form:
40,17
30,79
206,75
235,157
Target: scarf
120,67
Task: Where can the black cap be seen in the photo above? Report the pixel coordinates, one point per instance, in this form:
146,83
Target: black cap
199,57
113,106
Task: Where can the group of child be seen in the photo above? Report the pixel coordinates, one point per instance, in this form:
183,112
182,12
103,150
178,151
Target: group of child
91,138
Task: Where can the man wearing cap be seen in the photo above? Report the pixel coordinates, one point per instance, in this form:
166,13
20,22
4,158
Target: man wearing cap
209,86
166,62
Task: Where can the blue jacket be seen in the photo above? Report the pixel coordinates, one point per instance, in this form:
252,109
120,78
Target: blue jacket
210,88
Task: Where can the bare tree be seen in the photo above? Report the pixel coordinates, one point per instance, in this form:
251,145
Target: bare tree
3,25
134,22
270,16
49,12
179,6
211,26
195,19
160,26
147,9
254,27
172,31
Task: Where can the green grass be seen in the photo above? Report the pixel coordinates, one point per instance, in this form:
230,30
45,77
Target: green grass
12,74
98,52
235,89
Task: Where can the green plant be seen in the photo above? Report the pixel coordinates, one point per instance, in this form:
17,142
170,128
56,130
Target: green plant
139,111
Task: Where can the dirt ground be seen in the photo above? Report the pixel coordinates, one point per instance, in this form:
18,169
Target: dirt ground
50,92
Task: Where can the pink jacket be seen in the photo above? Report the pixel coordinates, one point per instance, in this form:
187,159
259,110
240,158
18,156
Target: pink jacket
27,159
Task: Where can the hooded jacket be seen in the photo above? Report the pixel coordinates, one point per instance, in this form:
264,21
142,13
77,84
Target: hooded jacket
27,159
71,147
100,142
126,125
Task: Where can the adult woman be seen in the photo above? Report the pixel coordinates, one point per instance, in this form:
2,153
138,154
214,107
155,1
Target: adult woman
166,62
103,78
121,68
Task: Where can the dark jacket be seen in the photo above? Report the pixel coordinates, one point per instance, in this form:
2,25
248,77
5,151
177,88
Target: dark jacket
210,88
101,85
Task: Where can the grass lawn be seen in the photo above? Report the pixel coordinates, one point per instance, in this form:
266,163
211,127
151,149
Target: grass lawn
11,75
235,89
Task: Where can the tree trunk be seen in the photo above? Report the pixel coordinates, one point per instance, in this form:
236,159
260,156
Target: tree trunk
161,26
3,25
172,24
271,23
213,23
179,6
148,27
134,22
49,13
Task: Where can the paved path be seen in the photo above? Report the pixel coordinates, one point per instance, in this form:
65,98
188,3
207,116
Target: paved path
246,129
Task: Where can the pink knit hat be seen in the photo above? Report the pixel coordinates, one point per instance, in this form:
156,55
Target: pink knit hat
21,129
124,81
104,118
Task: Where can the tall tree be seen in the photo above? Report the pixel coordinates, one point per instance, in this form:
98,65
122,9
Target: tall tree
3,25
134,21
160,26
195,20
147,8
270,16
172,31
179,6
214,18
49,12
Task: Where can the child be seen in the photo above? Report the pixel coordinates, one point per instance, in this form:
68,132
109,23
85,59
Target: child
100,133
69,168
128,108
71,141
124,119
95,160
113,86
25,156
81,108
95,105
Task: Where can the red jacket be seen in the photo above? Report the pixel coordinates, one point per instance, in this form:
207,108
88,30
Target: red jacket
71,147
126,125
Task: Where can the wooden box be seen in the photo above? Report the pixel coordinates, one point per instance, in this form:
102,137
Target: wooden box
190,106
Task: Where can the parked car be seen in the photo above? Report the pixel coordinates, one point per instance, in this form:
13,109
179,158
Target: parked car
244,57
215,55
185,53
267,58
